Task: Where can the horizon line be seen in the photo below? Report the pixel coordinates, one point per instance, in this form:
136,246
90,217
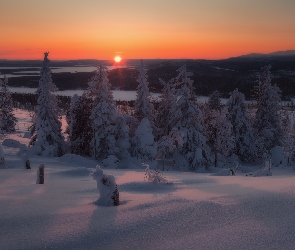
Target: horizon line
184,58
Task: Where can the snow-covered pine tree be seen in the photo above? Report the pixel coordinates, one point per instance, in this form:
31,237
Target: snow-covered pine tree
241,122
144,146
165,109
186,117
143,107
49,138
103,116
267,121
79,125
8,120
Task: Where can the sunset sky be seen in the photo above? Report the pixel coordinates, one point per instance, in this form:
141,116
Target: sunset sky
101,29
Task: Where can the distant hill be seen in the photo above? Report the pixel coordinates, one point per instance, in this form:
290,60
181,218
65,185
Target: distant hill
272,54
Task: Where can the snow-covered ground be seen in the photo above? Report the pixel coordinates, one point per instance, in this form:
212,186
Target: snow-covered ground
191,211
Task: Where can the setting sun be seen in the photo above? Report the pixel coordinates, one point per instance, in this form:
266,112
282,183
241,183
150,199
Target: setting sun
117,59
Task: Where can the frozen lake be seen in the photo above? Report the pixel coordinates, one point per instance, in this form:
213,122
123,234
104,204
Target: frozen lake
33,72
119,95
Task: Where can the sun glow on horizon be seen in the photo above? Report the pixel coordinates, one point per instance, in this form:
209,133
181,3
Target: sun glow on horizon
117,59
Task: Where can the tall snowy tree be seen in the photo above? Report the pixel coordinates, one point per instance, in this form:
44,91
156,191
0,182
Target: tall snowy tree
122,137
49,138
143,106
79,125
186,117
214,102
8,120
103,116
165,109
209,120
144,146
241,122
224,142
288,141
267,120
168,145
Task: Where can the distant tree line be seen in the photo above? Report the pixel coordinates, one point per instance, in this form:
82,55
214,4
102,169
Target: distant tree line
208,75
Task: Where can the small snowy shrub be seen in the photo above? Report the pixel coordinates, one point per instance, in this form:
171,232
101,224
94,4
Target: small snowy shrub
153,176
107,187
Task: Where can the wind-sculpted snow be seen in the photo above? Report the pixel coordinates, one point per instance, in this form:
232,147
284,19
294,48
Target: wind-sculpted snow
75,172
193,211
147,187
196,211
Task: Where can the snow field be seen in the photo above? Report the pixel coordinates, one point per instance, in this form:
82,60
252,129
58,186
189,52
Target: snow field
191,211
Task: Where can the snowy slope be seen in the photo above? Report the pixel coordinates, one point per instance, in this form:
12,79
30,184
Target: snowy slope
193,211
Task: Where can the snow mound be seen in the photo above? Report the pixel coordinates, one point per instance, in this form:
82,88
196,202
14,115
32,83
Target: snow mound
225,172
111,162
277,156
71,158
263,172
23,149
75,173
11,143
77,160
27,135
244,169
147,187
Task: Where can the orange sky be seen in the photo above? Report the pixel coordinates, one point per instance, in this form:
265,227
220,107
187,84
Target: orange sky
99,29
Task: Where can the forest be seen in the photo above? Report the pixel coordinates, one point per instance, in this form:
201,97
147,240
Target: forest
175,129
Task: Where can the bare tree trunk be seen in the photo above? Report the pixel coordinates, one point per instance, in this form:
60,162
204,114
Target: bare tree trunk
40,174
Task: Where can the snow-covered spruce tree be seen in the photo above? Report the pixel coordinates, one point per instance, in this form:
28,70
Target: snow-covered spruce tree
212,106
214,102
122,137
267,120
144,146
224,142
167,145
288,141
8,120
243,132
79,125
103,116
2,159
49,138
186,117
143,107
165,109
